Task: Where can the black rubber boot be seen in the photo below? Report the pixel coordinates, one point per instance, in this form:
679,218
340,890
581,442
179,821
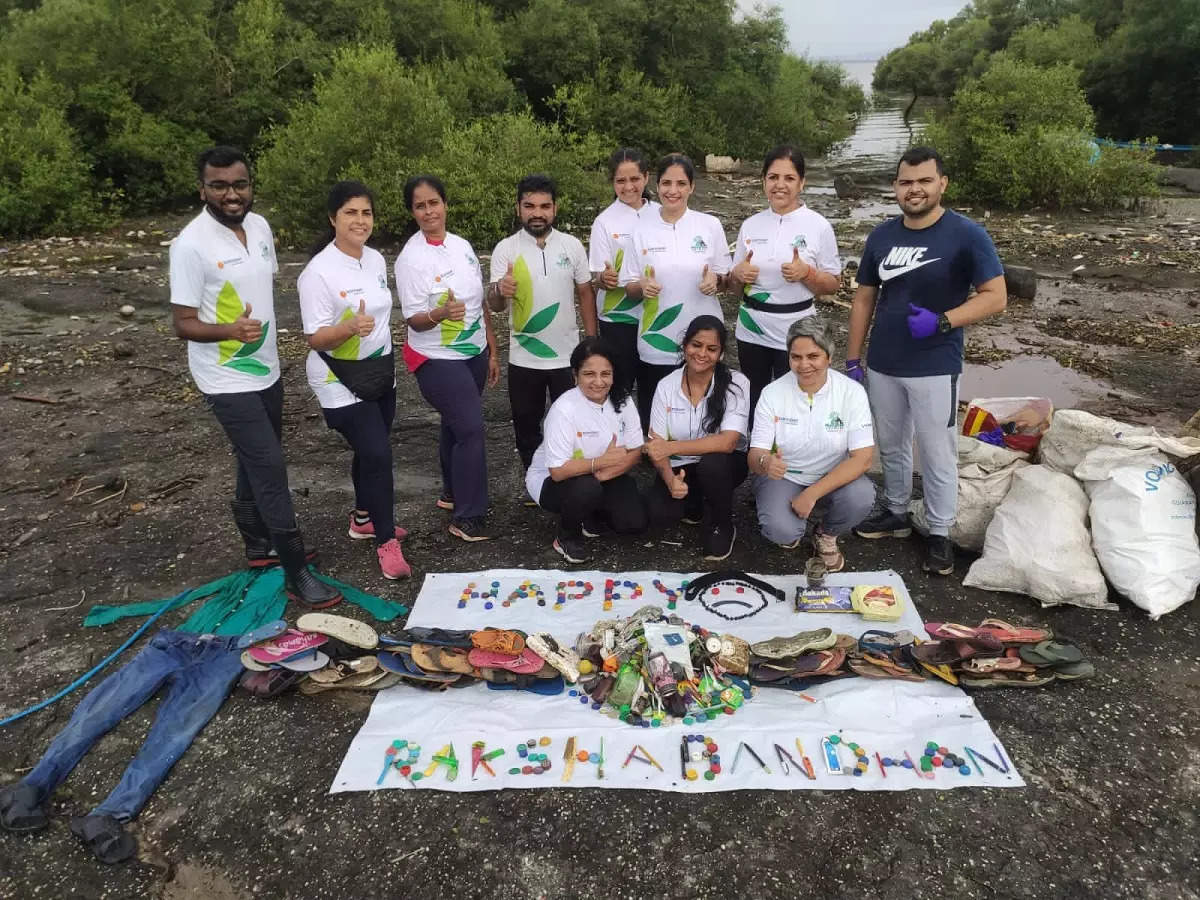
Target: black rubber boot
301,584
259,550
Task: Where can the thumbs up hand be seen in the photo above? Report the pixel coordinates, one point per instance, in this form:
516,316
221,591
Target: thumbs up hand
455,309
608,278
775,467
746,271
678,484
246,329
362,324
508,284
650,285
656,448
708,282
797,269
612,456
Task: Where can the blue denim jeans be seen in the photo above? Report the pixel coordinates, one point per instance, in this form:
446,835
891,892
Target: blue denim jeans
198,672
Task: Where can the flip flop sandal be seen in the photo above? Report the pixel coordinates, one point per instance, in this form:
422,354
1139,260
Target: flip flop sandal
889,666
1007,679
795,645
105,837
941,653
876,641
398,662
983,665
498,641
425,656
831,661
308,662
952,631
272,683
1074,671
861,667
249,662
562,659
338,671
348,631
454,659
1050,653
1015,634
442,637
526,662
547,687
21,809
358,681
390,679
845,642
290,643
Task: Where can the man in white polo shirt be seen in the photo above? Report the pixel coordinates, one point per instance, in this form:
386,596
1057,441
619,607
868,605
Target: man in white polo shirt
544,274
812,442
222,268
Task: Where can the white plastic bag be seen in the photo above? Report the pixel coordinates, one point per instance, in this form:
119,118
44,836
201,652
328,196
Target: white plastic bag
1038,544
1073,433
985,473
1143,526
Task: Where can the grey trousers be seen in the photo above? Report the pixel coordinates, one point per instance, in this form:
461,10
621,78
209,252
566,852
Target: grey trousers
843,508
927,408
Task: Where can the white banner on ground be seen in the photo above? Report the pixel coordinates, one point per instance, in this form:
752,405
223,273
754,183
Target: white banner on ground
885,717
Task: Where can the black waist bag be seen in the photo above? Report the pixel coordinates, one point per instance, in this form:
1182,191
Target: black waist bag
366,379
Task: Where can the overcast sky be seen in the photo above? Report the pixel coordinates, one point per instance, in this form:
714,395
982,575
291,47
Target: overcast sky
864,29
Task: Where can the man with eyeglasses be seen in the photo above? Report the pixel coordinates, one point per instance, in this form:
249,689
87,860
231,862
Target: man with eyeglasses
222,268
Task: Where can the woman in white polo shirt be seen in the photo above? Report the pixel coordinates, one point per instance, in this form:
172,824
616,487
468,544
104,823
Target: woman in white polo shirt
450,349
812,444
611,242
680,261
785,255
592,438
699,425
346,308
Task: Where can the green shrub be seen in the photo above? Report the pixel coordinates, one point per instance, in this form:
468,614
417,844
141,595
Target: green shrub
1020,135
45,183
481,164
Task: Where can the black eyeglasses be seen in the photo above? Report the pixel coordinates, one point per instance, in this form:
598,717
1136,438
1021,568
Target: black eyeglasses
223,187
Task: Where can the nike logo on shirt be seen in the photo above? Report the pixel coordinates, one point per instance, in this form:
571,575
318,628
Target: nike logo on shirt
901,260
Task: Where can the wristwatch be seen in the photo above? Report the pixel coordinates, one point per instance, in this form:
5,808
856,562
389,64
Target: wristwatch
943,324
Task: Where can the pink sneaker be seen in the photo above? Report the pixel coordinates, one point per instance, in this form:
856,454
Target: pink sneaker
367,530
392,562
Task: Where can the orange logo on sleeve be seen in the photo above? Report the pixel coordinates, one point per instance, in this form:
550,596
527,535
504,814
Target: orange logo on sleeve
220,265
342,294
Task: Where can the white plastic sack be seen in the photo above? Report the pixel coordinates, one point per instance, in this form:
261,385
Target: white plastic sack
985,473
1143,513
1073,433
1038,544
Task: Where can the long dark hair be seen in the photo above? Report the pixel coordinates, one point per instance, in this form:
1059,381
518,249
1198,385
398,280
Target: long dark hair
410,188
339,195
676,159
638,158
598,346
722,376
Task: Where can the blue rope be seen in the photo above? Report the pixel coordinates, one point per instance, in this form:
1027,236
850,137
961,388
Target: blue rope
82,679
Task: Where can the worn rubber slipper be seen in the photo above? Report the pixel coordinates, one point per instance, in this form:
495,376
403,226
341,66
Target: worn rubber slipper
795,645
347,630
498,641
249,662
1050,653
942,653
305,662
442,637
271,683
1015,634
338,671
290,643
877,641
982,665
1006,679
424,655
357,681
105,837
21,808
404,665
1074,671
561,658
974,637
545,686
526,662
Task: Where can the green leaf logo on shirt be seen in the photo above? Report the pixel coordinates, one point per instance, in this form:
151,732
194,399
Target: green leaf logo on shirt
616,301
232,353
748,320
654,322
524,321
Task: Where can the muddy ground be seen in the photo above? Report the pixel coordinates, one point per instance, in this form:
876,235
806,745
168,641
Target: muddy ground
1113,765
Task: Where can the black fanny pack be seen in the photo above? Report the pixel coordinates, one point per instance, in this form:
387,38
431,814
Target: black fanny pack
366,379
778,307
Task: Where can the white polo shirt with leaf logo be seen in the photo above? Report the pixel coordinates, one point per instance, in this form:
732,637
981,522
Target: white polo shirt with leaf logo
611,242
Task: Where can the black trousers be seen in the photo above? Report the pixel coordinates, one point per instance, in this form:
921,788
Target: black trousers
527,393
454,387
367,428
761,365
253,421
648,377
580,498
624,339
711,483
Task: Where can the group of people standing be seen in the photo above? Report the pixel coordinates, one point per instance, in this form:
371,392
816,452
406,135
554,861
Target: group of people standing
648,379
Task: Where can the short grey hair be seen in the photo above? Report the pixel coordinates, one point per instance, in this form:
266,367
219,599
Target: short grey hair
814,328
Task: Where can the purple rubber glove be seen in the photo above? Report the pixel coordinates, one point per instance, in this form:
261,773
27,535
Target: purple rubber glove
994,437
921,322
855,370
